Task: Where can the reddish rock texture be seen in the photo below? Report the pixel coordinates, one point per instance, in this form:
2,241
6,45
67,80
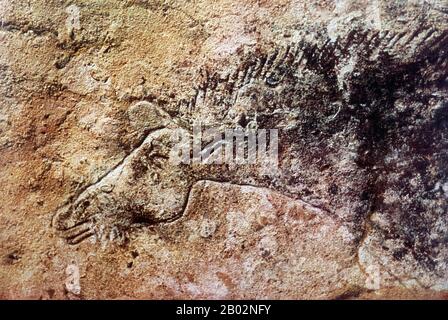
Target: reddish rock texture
91,91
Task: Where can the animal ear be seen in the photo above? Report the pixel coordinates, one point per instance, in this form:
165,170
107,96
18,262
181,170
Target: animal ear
148,115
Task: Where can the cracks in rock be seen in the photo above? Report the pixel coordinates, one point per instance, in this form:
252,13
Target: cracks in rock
26,27
351,293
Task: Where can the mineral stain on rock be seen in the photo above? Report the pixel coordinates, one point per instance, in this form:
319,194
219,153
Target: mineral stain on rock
357,207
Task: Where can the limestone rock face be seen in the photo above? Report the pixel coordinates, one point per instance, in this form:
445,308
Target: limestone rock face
93,92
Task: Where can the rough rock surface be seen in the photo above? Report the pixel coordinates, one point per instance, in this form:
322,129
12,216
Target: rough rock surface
91,92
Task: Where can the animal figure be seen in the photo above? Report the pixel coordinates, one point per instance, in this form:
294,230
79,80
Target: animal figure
343,106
